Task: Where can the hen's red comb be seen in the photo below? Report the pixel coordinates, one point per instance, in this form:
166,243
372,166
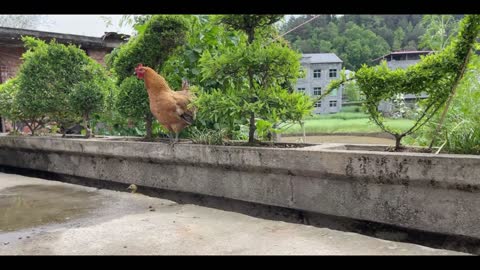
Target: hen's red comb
140,65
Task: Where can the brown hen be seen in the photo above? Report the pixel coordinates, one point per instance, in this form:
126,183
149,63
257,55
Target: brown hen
170,108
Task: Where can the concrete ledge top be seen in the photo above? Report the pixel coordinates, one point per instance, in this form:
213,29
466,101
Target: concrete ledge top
49,142
324,160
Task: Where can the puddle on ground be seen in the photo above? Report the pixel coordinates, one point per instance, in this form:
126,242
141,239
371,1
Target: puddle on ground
34,205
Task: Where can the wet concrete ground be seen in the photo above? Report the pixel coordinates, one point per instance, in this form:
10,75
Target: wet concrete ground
47,217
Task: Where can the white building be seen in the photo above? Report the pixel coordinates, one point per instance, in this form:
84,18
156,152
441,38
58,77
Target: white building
320,69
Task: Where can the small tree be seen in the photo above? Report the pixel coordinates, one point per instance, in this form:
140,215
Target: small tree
156,41
132,102
8,106
86,99
460,132
205,35
251,25
48,75
437,75
255,74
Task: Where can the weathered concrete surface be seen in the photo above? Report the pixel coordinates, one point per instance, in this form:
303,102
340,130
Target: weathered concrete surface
436,193
333,138
123,223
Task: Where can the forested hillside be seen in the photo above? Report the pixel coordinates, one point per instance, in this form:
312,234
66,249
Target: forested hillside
357,39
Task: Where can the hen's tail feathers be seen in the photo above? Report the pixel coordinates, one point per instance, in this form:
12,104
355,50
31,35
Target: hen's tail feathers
188,118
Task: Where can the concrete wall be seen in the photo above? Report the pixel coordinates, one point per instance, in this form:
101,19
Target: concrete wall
436,193
98,54
10,59
395,64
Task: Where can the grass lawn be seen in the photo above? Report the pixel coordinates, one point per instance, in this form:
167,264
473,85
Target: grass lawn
344,122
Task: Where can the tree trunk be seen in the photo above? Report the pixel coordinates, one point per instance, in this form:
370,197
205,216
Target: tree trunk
148,126
251,35
251,133
252,128
2,125
275,135
302,124
252,114
88,132
398,145
32,128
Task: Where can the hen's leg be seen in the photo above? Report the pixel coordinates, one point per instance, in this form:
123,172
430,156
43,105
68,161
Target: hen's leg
169,135
173,138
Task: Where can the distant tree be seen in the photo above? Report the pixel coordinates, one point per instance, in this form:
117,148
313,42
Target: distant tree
439,31
398,37
411,45
352,91
24,21
400,32
359,46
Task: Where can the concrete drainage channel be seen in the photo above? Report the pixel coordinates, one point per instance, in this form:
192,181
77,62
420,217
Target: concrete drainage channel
427,199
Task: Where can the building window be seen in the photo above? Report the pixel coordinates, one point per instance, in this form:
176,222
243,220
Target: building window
317,73
332,73
317,91
333,103
301,89
317,104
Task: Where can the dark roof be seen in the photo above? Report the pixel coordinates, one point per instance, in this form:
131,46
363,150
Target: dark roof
402,52
410,52
115,35
12,37
320,58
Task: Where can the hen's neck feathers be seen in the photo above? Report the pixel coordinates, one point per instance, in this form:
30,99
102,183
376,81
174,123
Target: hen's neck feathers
154,82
